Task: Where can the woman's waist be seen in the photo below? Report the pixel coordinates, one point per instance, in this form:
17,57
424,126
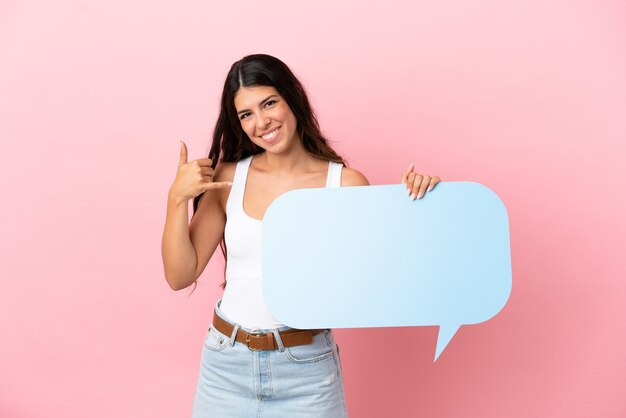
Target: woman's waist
247,311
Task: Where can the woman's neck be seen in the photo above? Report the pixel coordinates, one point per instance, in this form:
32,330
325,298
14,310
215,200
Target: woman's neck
296,160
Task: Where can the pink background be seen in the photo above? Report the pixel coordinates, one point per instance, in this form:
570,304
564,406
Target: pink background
527,97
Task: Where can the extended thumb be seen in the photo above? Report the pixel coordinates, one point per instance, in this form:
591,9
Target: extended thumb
183,153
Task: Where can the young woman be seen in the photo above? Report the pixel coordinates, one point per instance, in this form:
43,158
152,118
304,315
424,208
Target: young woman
267,141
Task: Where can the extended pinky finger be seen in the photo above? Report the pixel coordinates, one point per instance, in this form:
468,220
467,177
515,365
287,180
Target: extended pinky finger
219,184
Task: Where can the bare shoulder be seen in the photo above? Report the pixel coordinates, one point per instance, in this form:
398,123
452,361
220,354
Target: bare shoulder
352,177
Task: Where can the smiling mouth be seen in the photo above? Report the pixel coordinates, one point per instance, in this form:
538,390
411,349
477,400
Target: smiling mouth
270,136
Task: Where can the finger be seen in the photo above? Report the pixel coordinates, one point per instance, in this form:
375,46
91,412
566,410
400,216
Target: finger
204,162
433,182
416,185
218,185
423,186
405,174
183,153
409,182
206,171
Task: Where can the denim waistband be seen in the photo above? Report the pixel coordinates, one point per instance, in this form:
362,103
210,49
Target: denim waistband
219,313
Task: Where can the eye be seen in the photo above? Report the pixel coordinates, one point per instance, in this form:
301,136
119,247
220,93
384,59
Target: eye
243,115
270,101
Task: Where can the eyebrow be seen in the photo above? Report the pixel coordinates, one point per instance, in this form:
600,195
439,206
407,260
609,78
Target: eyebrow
261,103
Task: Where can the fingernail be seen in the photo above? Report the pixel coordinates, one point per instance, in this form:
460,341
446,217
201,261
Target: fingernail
413,196
408,192
419,196
409,168
430,188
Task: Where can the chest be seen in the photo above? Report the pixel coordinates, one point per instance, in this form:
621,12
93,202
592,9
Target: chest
261,190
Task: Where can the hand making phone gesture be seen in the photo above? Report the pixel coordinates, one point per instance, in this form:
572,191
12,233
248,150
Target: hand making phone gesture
194,178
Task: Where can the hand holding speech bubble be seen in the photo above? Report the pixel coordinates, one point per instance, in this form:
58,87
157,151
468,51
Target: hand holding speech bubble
369,256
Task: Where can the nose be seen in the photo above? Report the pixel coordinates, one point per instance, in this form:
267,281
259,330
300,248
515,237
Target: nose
262,122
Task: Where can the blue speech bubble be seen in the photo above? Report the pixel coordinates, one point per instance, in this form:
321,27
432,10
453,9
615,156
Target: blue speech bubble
353,257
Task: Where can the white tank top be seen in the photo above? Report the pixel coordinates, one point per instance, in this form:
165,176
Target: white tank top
242,301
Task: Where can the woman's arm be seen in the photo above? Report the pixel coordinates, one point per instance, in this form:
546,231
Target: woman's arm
179,256
187,248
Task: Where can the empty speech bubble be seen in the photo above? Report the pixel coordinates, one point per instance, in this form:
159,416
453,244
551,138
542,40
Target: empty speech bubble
369,256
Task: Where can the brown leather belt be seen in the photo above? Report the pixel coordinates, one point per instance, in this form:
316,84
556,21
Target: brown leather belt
266,341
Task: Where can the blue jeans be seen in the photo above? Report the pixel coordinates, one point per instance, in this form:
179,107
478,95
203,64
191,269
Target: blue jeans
301,381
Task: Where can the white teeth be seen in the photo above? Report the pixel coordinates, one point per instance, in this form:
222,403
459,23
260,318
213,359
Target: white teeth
270,135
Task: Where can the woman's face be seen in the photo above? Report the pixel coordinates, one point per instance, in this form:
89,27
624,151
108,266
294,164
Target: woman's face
266,118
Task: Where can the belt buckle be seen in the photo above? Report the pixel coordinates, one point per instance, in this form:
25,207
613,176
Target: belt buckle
252,332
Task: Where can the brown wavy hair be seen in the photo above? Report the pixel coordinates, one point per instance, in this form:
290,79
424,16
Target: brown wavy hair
231,143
